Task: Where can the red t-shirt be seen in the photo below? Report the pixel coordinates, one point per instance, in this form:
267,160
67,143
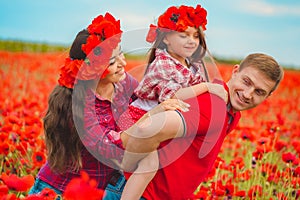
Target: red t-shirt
188,160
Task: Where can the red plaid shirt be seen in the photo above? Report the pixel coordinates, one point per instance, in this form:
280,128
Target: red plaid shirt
100,137
166,75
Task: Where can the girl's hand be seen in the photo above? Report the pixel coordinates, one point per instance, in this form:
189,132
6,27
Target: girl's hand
218,90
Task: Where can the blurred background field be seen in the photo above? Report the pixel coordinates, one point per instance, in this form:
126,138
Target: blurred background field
259,160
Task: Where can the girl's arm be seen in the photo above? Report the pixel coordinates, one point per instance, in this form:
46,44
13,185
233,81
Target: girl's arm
192,91
200,88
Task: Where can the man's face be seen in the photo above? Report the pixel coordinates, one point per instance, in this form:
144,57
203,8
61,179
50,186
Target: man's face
248,88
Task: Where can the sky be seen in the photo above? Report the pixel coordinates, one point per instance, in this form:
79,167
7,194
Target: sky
235,28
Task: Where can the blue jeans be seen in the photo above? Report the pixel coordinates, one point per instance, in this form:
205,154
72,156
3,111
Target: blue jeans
39,185
115,192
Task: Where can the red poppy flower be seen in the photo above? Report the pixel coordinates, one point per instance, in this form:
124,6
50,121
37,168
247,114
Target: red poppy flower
281,196
199,17
152,33
169,19
38,158
263,140
13,119
280,144
255,192
4,148
106,26
178,19
240,193
45,194
69,71
91,42
3,190
297,171
288,157
201,195
248,135
16,183
259,153
86,186
10,196
105,35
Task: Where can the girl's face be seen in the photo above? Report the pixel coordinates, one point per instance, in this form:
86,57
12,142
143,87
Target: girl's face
116,67
182,45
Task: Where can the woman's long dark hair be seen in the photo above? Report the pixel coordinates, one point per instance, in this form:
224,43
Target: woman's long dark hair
62,140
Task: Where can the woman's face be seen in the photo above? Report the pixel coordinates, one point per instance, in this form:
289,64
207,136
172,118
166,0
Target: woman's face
116,66
182,45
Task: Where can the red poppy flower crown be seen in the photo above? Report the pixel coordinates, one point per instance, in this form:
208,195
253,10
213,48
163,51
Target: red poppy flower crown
178,19
105,35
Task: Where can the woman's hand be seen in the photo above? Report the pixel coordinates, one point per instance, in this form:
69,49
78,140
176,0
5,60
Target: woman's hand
170,104
175,104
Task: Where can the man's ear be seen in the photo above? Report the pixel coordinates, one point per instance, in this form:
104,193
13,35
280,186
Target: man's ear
235,69
270,94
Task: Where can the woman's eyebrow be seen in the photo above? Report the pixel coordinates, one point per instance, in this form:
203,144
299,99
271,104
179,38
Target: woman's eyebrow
120,52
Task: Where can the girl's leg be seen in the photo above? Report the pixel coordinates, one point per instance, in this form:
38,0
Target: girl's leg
146,135
141,177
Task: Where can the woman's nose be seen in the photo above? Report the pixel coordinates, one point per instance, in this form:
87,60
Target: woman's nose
122,60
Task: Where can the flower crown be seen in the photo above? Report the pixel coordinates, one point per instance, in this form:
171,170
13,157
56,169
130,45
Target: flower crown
98,50
178,19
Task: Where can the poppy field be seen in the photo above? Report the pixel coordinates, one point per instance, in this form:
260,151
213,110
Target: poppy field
259,160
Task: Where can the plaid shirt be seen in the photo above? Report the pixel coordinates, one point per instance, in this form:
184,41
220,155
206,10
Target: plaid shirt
100,138
166,75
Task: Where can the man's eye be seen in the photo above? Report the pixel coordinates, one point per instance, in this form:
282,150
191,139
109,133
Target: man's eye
246,82
260,92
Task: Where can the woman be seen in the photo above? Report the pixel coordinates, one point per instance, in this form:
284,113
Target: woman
83,109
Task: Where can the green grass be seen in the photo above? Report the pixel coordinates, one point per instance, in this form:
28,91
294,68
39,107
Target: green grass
23,46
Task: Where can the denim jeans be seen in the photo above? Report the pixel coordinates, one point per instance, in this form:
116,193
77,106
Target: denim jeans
114,192
39,185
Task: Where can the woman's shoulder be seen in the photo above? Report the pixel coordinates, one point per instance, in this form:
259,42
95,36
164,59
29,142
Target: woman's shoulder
129,82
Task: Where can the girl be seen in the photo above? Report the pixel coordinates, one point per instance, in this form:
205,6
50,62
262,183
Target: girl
175,70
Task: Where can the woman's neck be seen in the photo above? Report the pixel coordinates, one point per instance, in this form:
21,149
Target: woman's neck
105,90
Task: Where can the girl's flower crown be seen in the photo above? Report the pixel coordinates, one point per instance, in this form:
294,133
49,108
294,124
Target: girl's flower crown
178,19
105,35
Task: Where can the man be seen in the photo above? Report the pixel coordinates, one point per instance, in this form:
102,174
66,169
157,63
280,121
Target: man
199,133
